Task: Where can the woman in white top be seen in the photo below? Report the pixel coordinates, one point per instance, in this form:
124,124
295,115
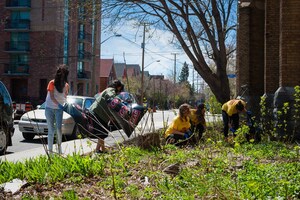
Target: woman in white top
56,97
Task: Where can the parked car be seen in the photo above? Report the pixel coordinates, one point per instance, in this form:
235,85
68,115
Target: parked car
34,122
21,108
6,119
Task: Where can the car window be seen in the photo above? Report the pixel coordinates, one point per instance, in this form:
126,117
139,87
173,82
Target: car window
88,103
5,97
42,106
77,101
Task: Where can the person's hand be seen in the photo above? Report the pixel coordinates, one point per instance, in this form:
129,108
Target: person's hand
186,136
232,130
61,107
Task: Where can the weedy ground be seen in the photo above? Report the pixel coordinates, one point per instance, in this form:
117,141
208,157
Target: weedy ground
211,169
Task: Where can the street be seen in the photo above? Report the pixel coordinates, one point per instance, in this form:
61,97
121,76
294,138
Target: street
160,118
20,144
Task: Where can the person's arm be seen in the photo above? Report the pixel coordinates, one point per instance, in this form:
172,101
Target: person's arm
67,89
177,132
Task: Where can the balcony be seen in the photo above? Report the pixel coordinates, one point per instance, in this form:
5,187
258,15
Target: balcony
84,75
16,69
84,56
17,47
17,25
18,4
84,37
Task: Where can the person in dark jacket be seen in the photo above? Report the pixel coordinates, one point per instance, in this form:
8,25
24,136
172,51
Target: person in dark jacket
198,123
100,110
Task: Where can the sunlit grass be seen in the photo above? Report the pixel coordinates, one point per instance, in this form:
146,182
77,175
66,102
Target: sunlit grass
212,169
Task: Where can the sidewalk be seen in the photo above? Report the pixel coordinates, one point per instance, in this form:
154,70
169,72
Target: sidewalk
87,145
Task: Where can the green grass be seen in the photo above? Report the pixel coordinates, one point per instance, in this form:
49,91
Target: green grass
211,169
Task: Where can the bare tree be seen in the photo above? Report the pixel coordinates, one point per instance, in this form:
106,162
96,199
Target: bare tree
204,29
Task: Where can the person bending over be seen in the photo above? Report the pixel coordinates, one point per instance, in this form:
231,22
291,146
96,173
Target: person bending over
100,108
230,115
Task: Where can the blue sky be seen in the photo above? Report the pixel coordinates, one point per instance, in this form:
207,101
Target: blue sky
158,47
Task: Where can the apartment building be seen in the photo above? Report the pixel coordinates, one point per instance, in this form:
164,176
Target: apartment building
38,35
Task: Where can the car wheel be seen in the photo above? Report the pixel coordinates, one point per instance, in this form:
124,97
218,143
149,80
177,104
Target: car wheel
75,133
28,136
3,141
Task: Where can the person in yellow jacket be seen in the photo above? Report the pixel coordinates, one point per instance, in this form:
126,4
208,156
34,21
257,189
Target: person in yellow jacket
179,129
198,123
230,114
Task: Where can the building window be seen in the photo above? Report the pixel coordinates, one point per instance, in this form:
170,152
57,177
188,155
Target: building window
19,36
66,32
19,40
79,67
87,88
20,15
19,59
81,13
42,91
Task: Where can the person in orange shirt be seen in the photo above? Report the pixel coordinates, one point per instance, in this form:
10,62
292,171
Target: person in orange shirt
180,126
198,123
57,91
230,114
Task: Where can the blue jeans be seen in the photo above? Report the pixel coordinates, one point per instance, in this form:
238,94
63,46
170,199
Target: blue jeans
54,120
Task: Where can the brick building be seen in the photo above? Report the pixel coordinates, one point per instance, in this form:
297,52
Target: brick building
107,73
268,50
38,35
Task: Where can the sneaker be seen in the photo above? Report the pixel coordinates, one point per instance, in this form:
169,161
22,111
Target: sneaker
99,151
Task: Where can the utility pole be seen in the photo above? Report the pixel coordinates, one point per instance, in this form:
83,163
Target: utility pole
128,86
174,76
143,65
193,78
174,67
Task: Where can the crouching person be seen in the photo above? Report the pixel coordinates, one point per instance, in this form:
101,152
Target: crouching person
198,123
179,129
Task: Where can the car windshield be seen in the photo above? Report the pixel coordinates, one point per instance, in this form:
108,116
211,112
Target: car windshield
41,106
5,97
72,100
